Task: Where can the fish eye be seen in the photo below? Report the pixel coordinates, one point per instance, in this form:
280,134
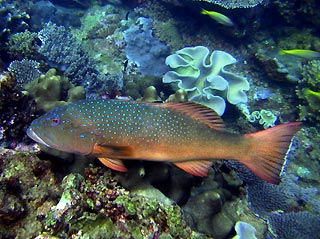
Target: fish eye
55,120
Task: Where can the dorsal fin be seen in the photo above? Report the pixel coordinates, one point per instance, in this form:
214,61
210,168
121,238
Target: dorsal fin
198,112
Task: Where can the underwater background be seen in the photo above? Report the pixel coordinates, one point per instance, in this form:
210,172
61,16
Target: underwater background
256,63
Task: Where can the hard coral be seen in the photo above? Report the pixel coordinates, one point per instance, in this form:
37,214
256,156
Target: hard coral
144,49
16,111
205,80
62,50
12,18
97,206
23,44
302,225
229,4
25,71
51,90
28,190
308,90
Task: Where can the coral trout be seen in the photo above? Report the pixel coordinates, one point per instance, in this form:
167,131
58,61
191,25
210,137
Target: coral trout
187,134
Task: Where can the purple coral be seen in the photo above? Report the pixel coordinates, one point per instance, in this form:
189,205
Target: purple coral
144,49
302,225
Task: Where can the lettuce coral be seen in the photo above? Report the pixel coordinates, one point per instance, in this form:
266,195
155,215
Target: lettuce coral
205,80
244,231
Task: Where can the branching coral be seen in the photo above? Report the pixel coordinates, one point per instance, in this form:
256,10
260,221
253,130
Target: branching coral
62,50
25,71
22,44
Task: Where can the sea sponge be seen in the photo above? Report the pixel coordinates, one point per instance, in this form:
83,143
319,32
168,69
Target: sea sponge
204,79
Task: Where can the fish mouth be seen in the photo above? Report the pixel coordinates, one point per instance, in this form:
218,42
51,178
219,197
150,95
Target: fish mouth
36,137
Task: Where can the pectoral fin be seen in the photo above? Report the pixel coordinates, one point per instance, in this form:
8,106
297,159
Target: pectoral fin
112,151
115,164
198,168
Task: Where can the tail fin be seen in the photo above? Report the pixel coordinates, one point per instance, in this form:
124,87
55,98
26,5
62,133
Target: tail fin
268,149
281,52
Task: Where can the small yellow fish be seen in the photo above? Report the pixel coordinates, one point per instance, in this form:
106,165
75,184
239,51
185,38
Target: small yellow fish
218,17
304,54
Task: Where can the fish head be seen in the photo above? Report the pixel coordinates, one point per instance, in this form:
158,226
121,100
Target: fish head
62,130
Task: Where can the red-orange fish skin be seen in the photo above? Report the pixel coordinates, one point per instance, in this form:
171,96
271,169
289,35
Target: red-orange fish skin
187,134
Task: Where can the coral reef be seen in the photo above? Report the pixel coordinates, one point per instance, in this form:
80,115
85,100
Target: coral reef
44,11
117,48
23,45
144,49
179,96
229,4
244,231
63,51
279,68
265,198
150,95
12,18
214,206
304,161
205,80
264,117
25,71
302,225
51,90
308,90
17,110
94,205
102,38
28,189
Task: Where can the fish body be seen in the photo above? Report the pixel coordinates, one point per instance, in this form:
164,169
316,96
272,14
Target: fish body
218,17
304,54
186,134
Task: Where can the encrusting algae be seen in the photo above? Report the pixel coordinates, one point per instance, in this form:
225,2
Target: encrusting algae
186,134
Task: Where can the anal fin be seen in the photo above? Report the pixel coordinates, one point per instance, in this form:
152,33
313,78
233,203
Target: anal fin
115,164
198,168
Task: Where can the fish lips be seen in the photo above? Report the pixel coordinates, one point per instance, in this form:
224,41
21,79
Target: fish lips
35,137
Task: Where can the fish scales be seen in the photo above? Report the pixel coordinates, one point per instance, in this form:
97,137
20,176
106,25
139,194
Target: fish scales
145,126
186,134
